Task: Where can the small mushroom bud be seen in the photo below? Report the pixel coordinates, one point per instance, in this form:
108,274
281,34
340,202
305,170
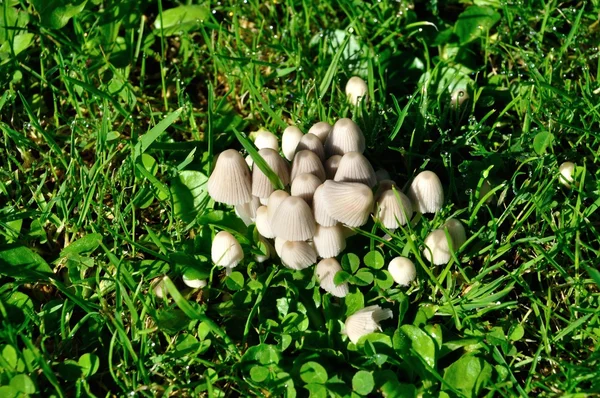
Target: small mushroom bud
289,141
326,270
403,271
356,90
365,321
345,137
321,130
226,250
567,170
426,193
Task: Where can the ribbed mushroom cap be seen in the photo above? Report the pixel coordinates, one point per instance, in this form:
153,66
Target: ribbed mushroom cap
403,270
262,223
274,201
226,250
345,137
354,167
247,211
261,185
311,142
365,321
320,210
307,162
426,192
393,210
293,220
279,245
298,255
348,202
321,130
331,166
265,139
356,90
230,181
304,186
249,161
437,249
329,241
289,141
382,175
457,232
384,185
326,270
567,170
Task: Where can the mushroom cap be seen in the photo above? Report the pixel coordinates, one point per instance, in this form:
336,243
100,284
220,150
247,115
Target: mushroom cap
567,170
298,255
345,136
403,270
265,139
289,141
293,220
426,192
393,210
326,270
382,175
304,186
459,97
321,130
312,143
261,185
329,241
249,161
247,211
348,202
320,209
354,167
263,225
331,166
457,232
226,250
274,201
437,249
265,249
365,321
279,245
159,288
356,90
190,279
307,162
230,181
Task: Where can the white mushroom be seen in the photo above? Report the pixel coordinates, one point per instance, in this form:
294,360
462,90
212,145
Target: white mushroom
274,201
226,250
261,185
247,211
192,278
298,255
307,162
354,167
345,137
437,249
293,220
289,141
266,249
348,202
312,143
263,225
426,193
393,210
329,241
304,186
265,139
321,130
365,321
356,90
279,245
567,170
403,270
326,270
331,166
230,181
457,232
319,207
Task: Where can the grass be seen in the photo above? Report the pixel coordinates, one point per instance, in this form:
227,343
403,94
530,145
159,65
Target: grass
112,113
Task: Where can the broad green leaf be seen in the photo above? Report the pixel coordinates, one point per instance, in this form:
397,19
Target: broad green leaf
56,14
176,21
69,370
22,262
264,354
11,19
350,262
186,344
10,356
542,141
468,375
85,244
23,383
421,343
259,373
235,281
18,44
341,277
388,385
363,278
374,259
17,305
171,321
313,372
89,363
517,333
317,390
383,280
363,382
354,302
475,22
189,194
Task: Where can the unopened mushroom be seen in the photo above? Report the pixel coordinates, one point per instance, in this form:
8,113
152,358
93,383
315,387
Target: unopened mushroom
159,289
298,255
345,137
230,181
331,166
261,185
329,241
274,201
437,248
321,130
247,211
403,270
348,202
393,208
194,279
365,321
457,232
326,270
459,97
356,90
312,143
319,207
263,225
567,170
307,162
265,139
426,193
226,250
354,167
279,245
293,220
304,186
289,141
265,249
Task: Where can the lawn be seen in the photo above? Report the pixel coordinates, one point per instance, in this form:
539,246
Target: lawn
112,114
